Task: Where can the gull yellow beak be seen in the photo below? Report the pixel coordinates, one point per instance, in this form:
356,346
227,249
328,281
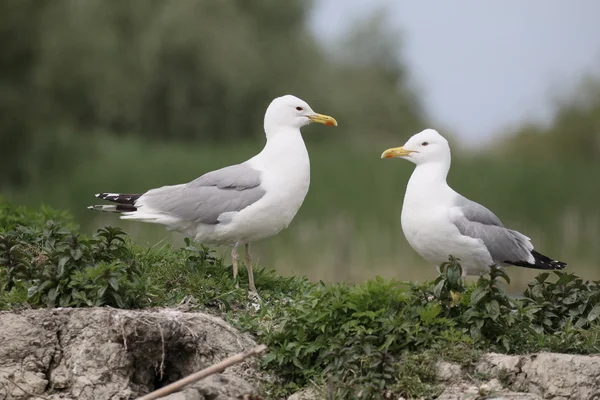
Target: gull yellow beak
396,152
323,119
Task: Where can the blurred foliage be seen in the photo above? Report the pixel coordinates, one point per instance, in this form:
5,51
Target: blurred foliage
573,133
188,69
125,96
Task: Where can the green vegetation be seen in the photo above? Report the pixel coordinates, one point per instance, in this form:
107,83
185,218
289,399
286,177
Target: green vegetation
377,339
354,202
573,133
195,72
127,96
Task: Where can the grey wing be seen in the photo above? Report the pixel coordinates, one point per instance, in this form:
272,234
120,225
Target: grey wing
239,177
476,221
205,199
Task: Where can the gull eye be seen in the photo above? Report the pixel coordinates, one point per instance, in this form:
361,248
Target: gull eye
424,144
299,108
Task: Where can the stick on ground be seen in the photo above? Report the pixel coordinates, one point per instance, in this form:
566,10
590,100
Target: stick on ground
196,376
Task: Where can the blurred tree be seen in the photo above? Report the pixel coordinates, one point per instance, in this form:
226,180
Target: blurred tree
183,70
19,40
573,133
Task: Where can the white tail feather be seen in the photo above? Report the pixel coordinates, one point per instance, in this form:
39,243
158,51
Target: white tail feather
104,208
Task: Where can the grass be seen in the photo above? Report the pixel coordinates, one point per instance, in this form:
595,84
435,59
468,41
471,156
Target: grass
348,228
379,339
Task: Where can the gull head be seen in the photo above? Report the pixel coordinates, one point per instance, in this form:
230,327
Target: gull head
291,112
424,147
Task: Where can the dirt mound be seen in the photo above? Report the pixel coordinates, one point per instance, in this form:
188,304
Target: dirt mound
103,353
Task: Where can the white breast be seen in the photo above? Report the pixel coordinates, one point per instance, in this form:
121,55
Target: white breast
429,231
285,177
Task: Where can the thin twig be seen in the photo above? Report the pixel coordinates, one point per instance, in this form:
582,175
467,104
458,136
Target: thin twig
196,376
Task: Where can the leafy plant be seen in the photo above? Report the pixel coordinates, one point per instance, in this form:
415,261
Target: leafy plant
377,340
569,300
58,267
490,311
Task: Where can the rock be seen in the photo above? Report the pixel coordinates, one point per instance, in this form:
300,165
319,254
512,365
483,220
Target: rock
461,391
466,391
561,375
222,387
495,364
448,372
26,353
187,394
214,387
490,387
307,394
548,375
541,376
104,353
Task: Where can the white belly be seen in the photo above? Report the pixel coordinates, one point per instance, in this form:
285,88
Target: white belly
433,236
285,194
266,218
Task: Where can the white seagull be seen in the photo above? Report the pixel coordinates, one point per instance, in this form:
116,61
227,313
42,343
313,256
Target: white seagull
241,203
438,222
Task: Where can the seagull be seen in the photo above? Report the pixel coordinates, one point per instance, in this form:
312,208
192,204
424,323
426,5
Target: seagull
241,203
438,222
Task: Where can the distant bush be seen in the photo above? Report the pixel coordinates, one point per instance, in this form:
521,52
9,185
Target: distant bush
573,132
375,340
200,70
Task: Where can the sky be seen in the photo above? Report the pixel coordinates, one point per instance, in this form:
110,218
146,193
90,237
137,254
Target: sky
483,66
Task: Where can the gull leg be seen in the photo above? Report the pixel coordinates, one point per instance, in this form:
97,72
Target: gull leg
234,262
249,267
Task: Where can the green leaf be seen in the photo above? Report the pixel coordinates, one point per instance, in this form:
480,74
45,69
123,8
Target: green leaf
32,290
52,295
437,290
580,323
493,309
388,342
478,294
429,314
119,300
570,299
269,357
541,278
297,363
454,274
502,274
594,313
76,254
114,283
506,343
475,332
60,272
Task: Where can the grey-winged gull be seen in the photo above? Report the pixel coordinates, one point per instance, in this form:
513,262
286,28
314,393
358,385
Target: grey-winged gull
241,203
438,222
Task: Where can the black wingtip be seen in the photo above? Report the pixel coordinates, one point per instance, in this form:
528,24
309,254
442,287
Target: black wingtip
540,262
119,198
